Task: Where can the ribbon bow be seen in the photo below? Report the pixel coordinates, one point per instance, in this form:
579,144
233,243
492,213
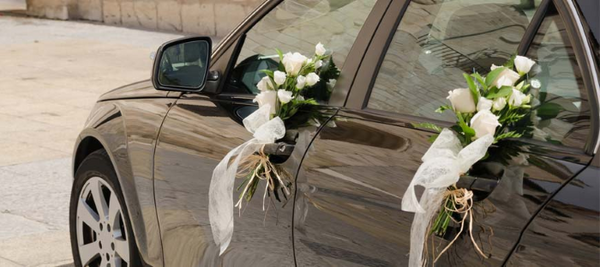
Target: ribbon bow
443,163
220,195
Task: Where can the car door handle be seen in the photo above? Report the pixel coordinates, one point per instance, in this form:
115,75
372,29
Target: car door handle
481,187
279,149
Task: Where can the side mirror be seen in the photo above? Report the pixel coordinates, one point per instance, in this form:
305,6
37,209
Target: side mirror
182,64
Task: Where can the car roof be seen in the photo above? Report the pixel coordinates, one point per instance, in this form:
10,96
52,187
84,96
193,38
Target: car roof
591,12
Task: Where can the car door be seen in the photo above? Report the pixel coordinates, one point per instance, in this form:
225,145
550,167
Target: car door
350,184
200,129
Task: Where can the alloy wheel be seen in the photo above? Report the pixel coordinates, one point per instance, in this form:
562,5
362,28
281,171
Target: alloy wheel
101,231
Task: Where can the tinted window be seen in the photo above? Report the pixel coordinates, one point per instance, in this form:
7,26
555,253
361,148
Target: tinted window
436,42
297,26
561,110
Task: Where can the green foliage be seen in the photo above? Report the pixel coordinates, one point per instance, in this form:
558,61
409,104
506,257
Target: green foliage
511,134
432,138
472,87
428,125
443,108
502,92
511,117
549,110
491,77
467,131
481,81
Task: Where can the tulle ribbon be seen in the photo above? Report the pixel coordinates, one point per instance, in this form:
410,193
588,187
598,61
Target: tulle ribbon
220,202
443,163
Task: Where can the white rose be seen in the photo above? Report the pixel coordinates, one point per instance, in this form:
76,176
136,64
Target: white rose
462,100
331,83
517,98
312,78
300,82
284,96
523,64
279,77
527,99
300,98
484,104
493,67
265,84
267,98
293,62
536,84
484,123
507,77
320,49
318,64
499,103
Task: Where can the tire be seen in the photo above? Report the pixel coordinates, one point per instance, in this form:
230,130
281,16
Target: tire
96,182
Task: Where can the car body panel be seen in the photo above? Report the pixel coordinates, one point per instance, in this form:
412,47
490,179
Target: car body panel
196,135
565,232
352,181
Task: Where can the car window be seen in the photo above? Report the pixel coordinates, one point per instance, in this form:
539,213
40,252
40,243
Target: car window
436,42
561,112
297,26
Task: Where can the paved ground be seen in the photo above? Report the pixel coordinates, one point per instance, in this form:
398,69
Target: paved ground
51,74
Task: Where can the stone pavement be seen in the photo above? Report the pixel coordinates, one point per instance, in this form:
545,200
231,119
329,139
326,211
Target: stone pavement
52,73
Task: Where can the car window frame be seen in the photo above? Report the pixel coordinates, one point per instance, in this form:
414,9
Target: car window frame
360,91
234,42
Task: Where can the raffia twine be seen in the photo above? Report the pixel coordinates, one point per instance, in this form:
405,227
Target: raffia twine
252,165
462,203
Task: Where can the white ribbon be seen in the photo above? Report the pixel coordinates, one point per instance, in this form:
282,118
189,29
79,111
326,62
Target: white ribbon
220,194
443,163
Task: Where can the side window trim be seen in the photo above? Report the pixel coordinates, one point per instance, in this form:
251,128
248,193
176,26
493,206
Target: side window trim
579,40
365,77
586,60
534,27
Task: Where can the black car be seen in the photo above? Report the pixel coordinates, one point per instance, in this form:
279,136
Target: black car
143,164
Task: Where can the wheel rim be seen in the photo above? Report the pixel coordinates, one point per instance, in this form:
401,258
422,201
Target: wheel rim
101,231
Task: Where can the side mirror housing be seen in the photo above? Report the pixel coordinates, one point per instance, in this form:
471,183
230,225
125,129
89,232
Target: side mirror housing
182,64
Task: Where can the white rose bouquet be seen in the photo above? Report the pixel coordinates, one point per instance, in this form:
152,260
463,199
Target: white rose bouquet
486,112
284,104
283,92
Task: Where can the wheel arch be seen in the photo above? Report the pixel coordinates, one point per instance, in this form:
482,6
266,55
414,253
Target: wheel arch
87,146
106,129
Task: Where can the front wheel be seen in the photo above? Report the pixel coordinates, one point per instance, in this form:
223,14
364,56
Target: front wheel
99,223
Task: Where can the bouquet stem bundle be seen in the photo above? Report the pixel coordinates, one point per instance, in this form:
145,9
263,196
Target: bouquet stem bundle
458,201
257,167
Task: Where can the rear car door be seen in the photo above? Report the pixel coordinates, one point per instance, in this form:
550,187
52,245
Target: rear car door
347,210
201,129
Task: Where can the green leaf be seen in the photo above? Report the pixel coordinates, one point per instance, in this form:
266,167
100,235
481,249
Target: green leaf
468,131
428,125
511,62
280,55
549,110
269,73
480,79
472,87
443,108
432,138
511,134
491,77
503,92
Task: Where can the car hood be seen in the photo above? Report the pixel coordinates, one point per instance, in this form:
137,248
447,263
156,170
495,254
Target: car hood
141,89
